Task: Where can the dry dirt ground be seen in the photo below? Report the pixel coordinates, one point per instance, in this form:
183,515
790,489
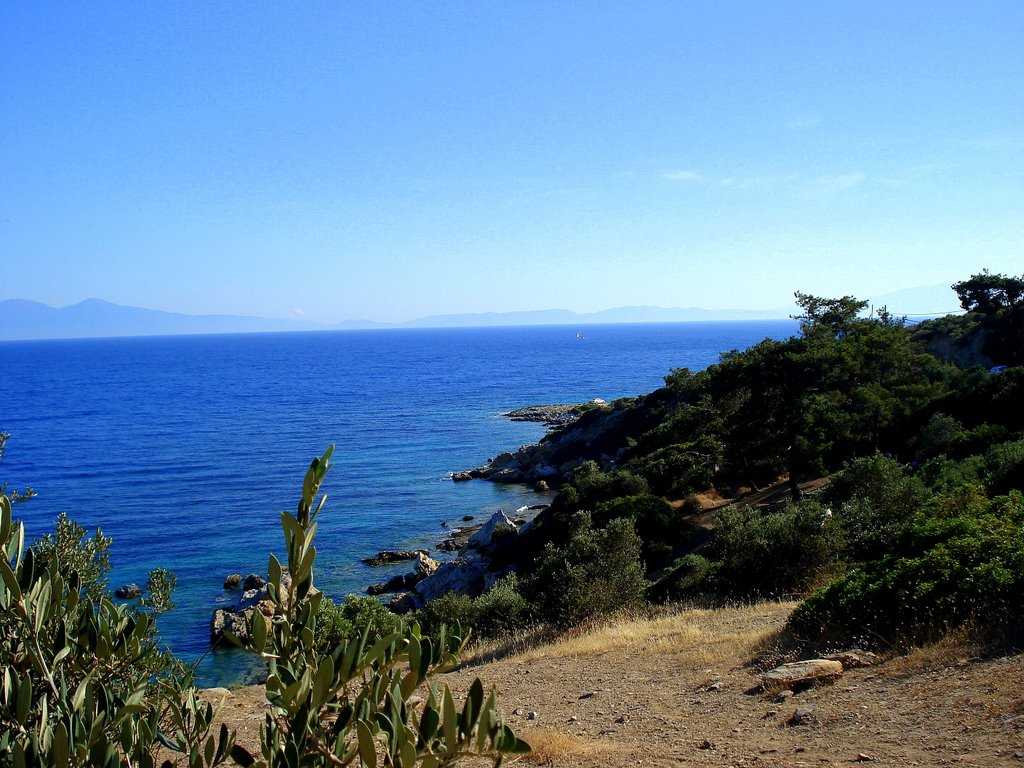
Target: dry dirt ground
671,691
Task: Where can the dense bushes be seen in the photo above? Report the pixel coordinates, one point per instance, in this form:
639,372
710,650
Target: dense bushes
358,614
596,572
500,611
770,554
658,525
961,561
873,500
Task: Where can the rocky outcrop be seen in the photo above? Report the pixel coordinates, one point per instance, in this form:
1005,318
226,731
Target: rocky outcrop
964,351
128,591
550,415
388,556
255,600
253,581
492,535
600,434
425,566
233,581
477,568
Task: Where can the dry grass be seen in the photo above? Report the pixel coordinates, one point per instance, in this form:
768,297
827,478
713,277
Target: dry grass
954,648
548,747
723,635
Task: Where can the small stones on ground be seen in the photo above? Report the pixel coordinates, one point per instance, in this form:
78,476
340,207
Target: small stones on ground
714,687
863,757
587,695
781,696
621,719
532,716
801,716
706,744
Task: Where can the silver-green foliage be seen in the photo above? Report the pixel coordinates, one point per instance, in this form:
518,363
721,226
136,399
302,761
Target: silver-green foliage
76,670
354,705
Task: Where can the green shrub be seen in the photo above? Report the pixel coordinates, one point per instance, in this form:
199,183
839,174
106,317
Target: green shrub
590,486
352,702
500,610
938,434
84,679
873,500
771,554
597,572
688,577
977,440
944,475
659,527
1004,467
961,562
337,622
680,469
448,610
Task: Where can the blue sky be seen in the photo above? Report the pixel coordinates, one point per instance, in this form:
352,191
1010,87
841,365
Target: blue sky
398,159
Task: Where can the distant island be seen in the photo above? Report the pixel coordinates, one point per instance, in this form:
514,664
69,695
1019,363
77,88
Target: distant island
22,319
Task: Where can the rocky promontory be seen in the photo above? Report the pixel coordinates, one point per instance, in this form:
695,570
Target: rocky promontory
255,599
551,415
480,563
596,432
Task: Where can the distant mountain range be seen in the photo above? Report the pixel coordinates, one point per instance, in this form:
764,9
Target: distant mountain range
21,319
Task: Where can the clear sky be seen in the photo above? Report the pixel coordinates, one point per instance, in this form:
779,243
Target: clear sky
388,160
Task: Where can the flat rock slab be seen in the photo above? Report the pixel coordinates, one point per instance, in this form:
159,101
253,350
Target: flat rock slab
393,556
853,659
801,674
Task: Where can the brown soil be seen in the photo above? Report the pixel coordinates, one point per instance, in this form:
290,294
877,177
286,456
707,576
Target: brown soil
671,691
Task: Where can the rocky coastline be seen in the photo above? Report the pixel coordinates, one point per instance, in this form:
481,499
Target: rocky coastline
482,551
550,463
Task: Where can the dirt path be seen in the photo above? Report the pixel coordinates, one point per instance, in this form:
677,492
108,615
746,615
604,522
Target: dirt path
671,692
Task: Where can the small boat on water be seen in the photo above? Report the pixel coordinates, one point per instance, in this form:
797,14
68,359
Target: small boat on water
579,335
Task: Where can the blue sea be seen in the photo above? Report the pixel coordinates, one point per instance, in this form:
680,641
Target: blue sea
185,449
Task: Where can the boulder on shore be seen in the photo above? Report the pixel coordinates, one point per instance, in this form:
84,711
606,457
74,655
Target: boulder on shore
255,599
388,556
494,534
253,581
128,591
424,567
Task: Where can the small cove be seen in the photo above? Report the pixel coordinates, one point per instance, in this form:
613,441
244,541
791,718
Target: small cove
185,449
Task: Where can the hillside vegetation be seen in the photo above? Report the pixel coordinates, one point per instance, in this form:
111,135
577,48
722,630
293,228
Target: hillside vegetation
900,451
919,528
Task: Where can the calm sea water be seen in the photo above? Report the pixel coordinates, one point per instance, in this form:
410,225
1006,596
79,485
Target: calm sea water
185,449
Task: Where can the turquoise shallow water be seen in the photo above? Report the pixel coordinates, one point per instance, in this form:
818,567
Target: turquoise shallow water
185,449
